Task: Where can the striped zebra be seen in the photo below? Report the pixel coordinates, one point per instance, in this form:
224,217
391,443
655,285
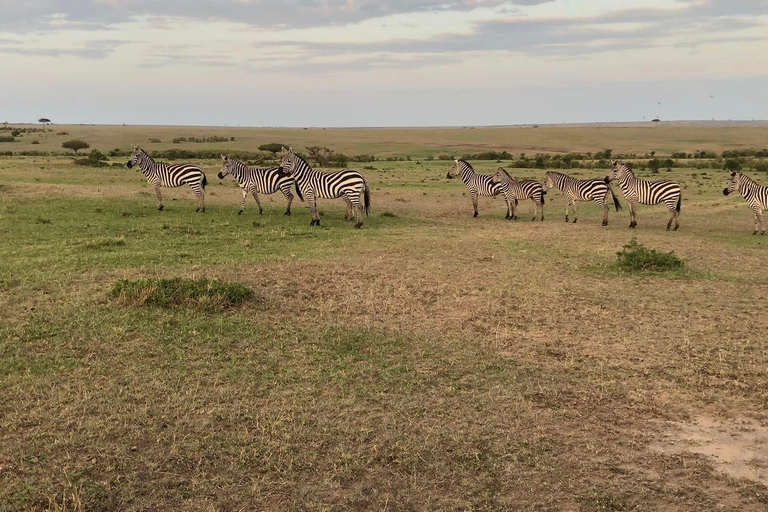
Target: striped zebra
582,190
755,195
480,185
646,192
165,175
258,181
347,184
526,189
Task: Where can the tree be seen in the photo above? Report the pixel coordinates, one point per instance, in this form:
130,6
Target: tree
320,155
656,121
273,147
75,145
44,120
732,165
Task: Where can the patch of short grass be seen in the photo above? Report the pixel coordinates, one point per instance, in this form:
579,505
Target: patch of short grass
100,243
178,291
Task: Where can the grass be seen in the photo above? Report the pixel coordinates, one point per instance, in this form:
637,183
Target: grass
635,257
177,292
429,361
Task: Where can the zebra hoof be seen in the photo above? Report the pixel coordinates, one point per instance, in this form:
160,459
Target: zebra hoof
287,212
605,223
160,208
566,218
261,212
676,228
475,215
533,219
359,225
240,212
574,220
762,233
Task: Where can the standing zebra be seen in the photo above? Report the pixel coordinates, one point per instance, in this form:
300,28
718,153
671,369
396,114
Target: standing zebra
165,175
480,185
755,195
526,189
582,190
347,184
647,192
258,181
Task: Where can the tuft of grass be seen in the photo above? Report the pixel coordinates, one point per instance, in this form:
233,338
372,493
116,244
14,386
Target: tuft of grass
635,257
177,291
43,220
388,214
101,243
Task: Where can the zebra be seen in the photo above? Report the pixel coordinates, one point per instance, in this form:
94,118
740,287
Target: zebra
165,175
258,181
582,190
527,189
480,185
755,195
646,192
347,184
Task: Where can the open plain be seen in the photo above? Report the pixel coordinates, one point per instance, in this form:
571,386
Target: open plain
429,361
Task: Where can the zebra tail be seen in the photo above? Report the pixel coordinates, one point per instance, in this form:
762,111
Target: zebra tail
298,191
616,202
679,201
205,181
542,196
367,199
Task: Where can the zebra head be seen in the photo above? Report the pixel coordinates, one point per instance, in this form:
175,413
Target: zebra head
226,166
549,182
618,172
289,162
136,151
454,171
734,184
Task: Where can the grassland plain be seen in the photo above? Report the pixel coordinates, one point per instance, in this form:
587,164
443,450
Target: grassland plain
430,361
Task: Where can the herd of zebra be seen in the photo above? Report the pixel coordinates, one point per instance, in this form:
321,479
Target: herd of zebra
350,185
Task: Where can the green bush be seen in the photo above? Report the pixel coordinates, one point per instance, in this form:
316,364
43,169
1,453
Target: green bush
7,138
732,165
273,147
215,295
635,257
94,159
75,145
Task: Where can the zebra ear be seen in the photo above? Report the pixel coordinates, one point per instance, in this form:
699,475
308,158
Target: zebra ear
283,151
223,157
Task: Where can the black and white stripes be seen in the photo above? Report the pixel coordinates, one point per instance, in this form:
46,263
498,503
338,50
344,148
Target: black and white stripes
165,175
525,189
755,195
258,181
582,190
479,184
646,192
347,184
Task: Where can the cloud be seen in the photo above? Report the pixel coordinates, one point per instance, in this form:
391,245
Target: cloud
96,49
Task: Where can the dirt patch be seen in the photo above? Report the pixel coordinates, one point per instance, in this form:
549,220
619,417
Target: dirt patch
737,447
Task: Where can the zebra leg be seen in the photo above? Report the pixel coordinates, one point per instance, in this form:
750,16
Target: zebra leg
474,203
567,205
349,214
315,218
359,208
759,221
605,215
574,212
242,203
256,197
289,197
632,221
536,210
159,196
672,216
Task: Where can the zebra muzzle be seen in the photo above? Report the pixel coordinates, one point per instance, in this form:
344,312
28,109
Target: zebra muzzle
129,164
725,192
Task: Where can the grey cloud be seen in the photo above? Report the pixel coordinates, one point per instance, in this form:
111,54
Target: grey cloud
99,49
32,15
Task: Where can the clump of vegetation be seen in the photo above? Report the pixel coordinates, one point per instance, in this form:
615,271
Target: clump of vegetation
7,138
94,159
213,295
105,242
389,214
75,145
43,220
273,147
635,257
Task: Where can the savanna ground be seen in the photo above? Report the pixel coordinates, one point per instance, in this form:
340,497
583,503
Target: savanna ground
430,361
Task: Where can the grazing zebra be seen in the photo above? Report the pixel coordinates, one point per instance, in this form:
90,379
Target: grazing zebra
480,185
258,181
165,175
347,184
647,192
755,195
526,189
582,190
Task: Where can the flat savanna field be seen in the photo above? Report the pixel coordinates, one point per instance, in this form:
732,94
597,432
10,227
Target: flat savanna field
429,361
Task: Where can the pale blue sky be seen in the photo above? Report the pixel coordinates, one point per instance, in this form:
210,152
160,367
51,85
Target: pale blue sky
377,63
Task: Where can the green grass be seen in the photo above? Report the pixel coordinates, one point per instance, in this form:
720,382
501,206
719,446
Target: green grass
635,257
177,292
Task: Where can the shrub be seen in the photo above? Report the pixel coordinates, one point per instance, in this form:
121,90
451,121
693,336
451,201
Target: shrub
181,292
94,159
732,165
7,138
35,142
272,147
75,145
635,257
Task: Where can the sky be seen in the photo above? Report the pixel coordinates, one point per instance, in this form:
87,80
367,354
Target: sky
339,63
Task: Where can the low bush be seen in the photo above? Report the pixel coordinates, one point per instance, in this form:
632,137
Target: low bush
7,138
214,295
635,257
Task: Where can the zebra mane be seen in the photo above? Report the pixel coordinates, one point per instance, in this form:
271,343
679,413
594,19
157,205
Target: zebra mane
506,173
462,161
303,160
744,178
